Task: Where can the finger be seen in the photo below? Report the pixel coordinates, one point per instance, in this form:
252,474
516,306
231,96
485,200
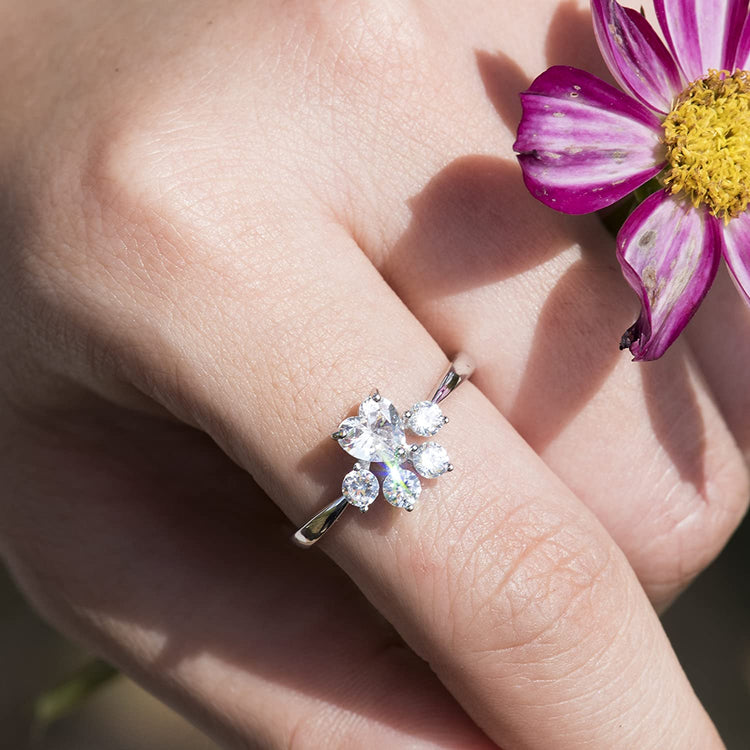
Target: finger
502,581
141,538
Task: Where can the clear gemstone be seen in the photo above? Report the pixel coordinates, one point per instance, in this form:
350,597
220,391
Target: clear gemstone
356,439
376,434
426,419
360,487
401,487
430,460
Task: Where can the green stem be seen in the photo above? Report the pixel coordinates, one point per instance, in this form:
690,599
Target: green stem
68,696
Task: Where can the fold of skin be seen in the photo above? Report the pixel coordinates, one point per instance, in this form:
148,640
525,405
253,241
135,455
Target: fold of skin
583,145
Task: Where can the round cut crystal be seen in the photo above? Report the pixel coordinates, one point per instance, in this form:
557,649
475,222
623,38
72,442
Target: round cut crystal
401,487
376,434
430,460
360,487
426,419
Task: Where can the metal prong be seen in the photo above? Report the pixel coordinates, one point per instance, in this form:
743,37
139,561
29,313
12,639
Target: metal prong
364,509
414,448
401,451
449,467
407,414
337,435
408,508
375,395
445,419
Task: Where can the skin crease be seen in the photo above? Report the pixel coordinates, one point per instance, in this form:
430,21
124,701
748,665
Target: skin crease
225,223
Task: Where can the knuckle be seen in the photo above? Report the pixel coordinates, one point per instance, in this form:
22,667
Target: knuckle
517,570
134,189
360,46
327,727
693,520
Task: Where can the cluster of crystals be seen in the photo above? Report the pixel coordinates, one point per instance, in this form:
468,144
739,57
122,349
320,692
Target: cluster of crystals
376,435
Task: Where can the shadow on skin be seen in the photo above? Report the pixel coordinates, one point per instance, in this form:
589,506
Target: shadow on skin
149,523
676,420
571,41
500,75
570,357
473,224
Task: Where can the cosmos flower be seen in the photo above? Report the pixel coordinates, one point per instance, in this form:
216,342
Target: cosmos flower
682,117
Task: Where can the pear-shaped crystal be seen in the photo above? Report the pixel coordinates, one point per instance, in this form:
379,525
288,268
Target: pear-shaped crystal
384,423
377,434
356,439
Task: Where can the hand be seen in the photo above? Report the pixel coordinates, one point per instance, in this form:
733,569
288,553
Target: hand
225,224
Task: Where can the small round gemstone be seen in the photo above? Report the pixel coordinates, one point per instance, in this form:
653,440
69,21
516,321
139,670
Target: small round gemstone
430,460
360,487
426,419
401,487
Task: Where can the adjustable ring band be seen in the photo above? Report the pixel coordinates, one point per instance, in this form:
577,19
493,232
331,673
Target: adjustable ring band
377,435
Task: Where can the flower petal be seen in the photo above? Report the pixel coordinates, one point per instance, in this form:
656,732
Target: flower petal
669,253
737,251
702,34
635,55
583,144
742,58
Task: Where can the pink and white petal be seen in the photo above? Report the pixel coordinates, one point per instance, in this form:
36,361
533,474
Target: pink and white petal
742,57
636,56
737,251
669,253
702,34
582,144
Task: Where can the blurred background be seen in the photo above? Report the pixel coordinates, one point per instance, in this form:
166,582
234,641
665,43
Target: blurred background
53,697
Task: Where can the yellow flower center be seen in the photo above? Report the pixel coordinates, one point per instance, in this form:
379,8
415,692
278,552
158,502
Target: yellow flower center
707,135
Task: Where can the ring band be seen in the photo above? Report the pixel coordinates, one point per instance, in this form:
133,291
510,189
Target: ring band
376,435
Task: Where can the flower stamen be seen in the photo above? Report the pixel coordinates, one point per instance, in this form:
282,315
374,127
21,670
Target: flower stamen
707,135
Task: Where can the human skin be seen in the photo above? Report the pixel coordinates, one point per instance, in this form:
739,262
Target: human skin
225,223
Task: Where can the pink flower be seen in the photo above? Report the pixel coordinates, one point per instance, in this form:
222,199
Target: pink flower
684,117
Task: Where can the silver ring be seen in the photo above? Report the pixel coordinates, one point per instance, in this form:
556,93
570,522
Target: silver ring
377,436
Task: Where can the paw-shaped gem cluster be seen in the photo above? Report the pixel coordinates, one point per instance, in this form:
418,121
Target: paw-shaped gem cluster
377,435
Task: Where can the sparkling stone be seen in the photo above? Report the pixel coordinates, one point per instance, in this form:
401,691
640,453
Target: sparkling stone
376,434
426,419
356,439
430,460
360,487
401,487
